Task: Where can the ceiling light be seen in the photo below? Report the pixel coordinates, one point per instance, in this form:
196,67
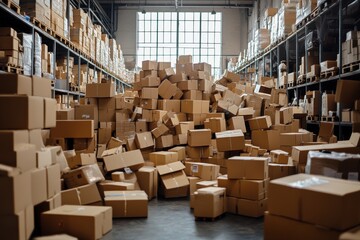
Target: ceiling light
143,11
213,12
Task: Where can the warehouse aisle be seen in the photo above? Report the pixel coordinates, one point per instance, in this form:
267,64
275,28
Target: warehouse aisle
172,219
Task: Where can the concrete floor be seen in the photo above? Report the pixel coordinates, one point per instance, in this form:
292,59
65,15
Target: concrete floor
173,219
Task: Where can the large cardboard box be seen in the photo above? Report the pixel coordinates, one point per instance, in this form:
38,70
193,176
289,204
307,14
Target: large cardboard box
149,65
73,129
311,199
210,202
281,170
233,186
199,137
131,159
237,123
16,190
230,140
22,112
180,151
127,203
15,84
144,140
87,112
65,114
18,226
100,90
257,123
173,180
41,86
254,189
49,112
252,208
277,227
204,171
163,157
198,152
38,186
149,93
266,139
347,92
167,90
147,177
194,106
83,222
255,168
53,180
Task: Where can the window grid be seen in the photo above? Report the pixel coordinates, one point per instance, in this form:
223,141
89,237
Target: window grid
162,36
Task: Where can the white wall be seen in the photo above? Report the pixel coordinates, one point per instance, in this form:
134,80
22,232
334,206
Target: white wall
234,30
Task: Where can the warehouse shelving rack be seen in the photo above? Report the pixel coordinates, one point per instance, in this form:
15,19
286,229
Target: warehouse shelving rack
60,48
332,24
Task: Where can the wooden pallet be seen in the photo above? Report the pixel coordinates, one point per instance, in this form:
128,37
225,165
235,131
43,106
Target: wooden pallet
290,84
301,79
10,4
11,69
329,119
351,67
329,73
61,38
312,78
282,86
312,118
325,5
42,26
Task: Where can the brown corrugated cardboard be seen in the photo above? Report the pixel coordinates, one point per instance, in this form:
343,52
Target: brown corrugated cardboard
164,141
160,130
266,139
204,184
144,140
278,156
237,123
70,197
149,65
280,170
210,202
163,158
127,203
18,189
65,114
230,140
194,106
150,81
149,93
253,189
167,89
173,180
326,129
87,112
313,199
276,227
257,123
49,112
23,112
198,152
233,186
200,137
82,176
38,186
100,90
89,194
180,151
132,159
53,180
204,171
169,105
92,221
247,168
231,205
41,86
347,92
15,84
148,180
65,129
252,208
192,182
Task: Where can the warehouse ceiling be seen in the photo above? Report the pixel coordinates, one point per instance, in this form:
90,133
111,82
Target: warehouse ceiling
178,4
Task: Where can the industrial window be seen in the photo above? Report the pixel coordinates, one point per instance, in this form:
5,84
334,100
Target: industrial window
162,36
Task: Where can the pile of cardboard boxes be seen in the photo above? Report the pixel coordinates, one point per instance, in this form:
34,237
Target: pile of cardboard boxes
10,48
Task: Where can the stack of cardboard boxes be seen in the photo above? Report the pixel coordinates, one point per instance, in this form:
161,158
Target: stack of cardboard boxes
10,45
350,52
37,9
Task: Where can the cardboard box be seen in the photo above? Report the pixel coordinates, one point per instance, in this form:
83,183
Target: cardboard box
127,203
230,140
312,200
237,123
217,125
276,227
210,202
23,112
252,208
18,189
286,115
199,137
21,224
149,65
92,221
194,106
160,130
173,180
87,112
278,156
132,159
346,115
41,86
49,112
183,59
180,152
204,171
253,189
144,140
100,90
255,168
258,123
148,180
268,139
89,194
188,85
70,197
346,92
233,186
15,84
198,152
65,114
280,170
38,186
163,157
167,89
83,176
65,129
150,81
149,93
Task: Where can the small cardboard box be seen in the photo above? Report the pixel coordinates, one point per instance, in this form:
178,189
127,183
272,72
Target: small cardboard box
22,112
65,114
230,140
144,140
266,139
127,203
280,170
160,130
173,180
255,168
83,175
252,208
100,90
254,190
312,198
73,129
180,151
194,106
15,84
199,137
132,159
210,202
41,86
149,65
167,89
92,222
216,125
163,157
204,171
232,186
237,123
147,177
263,122
279,156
